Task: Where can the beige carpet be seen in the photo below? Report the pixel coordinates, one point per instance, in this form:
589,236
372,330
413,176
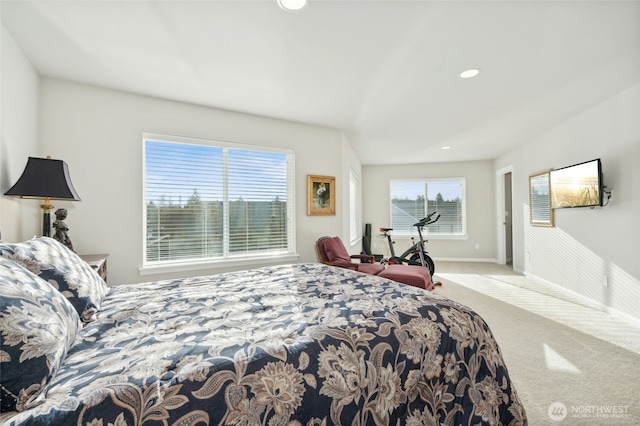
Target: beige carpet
570,363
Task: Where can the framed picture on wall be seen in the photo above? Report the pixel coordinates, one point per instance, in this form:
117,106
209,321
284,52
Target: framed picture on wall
321,195
540,199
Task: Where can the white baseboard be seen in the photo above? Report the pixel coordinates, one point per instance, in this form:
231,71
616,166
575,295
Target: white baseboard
464,259
587,301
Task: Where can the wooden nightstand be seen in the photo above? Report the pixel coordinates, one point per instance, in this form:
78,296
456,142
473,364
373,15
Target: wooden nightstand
98,262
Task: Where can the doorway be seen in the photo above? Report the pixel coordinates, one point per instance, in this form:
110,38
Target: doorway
508,220
504,199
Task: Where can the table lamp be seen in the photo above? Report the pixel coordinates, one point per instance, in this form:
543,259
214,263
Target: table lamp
45,179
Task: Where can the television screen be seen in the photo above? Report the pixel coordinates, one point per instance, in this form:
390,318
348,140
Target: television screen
579,185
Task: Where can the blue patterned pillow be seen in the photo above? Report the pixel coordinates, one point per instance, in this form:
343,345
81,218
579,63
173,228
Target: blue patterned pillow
64,270
37,327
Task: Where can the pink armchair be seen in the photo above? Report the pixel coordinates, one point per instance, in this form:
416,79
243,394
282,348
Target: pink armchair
331,251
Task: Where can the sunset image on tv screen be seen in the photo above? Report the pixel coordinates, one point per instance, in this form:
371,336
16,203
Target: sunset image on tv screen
576,186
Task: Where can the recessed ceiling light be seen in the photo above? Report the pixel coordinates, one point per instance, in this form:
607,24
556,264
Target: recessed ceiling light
470,73
292,5
445,147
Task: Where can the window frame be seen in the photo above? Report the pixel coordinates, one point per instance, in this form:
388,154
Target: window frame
540,211
355,203
462,235
228,259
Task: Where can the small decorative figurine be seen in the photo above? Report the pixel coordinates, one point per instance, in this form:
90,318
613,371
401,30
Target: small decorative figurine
61,229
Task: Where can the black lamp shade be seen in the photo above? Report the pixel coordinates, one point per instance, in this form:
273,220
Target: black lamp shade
44,178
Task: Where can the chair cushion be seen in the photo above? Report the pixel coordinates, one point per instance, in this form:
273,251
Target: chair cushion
416,276
370,268
336,253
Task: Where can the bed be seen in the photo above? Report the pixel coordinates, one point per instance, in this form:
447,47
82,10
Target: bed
303,344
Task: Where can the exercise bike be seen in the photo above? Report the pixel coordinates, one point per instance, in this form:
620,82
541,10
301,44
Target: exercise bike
416,254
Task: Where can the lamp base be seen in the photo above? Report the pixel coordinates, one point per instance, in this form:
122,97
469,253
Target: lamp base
46,217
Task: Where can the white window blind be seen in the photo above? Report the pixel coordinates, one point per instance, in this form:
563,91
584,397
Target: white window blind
214,200
411,200
355,225
541,199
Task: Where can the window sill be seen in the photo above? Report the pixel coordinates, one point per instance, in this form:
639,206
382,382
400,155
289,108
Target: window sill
181,266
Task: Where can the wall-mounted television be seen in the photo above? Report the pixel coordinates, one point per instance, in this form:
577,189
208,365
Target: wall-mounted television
579,185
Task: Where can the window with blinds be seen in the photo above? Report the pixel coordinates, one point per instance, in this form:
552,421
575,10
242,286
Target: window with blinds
210,200
355,225
411,200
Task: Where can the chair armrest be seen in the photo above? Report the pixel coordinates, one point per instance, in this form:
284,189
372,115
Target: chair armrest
363,257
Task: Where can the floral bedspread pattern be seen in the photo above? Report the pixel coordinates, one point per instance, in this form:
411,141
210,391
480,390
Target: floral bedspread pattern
303,344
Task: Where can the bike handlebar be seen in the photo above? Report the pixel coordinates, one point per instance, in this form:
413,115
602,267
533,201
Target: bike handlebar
427,220
422,223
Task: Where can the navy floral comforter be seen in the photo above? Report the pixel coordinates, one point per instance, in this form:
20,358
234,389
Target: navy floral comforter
304,344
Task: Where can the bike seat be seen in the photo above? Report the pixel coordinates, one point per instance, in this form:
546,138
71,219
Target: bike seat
386,229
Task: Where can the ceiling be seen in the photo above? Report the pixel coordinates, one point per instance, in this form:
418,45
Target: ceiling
384,72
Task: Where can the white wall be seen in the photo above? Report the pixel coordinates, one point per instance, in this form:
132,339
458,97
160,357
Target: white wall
480,209
587,247
98,132
19,219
